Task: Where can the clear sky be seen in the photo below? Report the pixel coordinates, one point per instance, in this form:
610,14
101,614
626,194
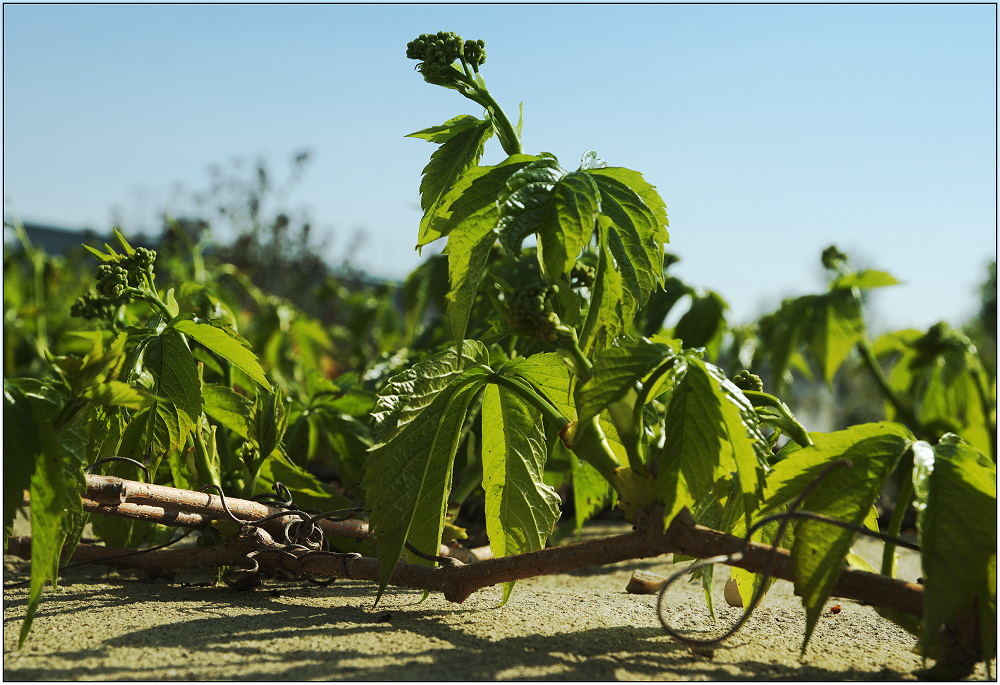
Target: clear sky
771,131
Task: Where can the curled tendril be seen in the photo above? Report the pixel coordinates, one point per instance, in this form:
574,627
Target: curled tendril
733,558
106,460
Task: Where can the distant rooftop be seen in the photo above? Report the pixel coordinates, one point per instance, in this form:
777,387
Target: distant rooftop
52,239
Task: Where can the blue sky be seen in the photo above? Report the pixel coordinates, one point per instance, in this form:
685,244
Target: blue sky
771,131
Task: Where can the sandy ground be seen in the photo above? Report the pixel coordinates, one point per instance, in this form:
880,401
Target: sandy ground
577,626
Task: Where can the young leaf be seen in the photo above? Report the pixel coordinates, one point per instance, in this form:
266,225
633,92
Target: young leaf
225,342
845,493
956,502
520,509
462,140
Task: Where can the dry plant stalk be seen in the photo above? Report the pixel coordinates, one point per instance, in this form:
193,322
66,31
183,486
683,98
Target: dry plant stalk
112,496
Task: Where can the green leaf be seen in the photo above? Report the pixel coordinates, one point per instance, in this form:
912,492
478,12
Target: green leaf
829,325
468,249
418,421
865,280
229,408
462,140
473,195
408,473
528,203
118,394
407,394
227,343
704,321
267,423
591,492
956,501
696,453
607,315
521,510
742,437
566,230
846,493
616,371
546,372
638,232
20,448
56,487
163,426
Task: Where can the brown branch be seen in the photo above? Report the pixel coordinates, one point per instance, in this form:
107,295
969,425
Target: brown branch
117,491
458,581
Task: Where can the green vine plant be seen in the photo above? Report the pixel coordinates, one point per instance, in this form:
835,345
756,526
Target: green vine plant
542,377
663,428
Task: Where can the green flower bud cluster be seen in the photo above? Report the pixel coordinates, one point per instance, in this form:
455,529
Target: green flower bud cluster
436,49
582,276
474,52
745,380
114,279
92,306
529,312
832,257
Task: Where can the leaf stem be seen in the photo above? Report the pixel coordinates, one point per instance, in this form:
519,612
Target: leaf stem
903,500
529,395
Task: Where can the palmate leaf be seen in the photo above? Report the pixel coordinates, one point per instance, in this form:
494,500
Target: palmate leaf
710,433
521,509
225,342
956,502
408,471
846,493
461,145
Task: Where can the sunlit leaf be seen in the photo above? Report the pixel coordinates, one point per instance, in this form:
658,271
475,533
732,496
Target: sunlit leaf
845,493
956,502
461,142
226,343
520,509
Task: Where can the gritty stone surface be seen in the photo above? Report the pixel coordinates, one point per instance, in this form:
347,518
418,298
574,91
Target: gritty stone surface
575,626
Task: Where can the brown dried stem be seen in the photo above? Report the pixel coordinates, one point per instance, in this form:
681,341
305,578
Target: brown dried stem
458,581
